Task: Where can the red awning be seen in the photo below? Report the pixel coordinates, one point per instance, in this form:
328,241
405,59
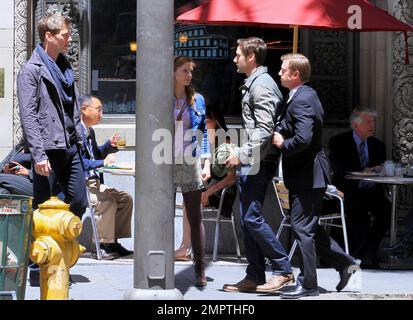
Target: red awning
349,15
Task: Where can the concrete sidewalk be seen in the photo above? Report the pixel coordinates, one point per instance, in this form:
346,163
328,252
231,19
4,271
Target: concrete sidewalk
110,280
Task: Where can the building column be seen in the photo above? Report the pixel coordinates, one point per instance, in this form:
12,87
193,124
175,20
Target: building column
376,79
402,84
402,93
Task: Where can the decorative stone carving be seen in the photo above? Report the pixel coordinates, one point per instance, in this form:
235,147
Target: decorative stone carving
402,94
330,53
20,57
71,8
402,85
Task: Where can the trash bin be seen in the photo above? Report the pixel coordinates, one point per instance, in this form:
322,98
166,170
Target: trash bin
15,236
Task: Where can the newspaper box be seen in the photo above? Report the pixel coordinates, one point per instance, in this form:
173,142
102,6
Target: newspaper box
15,237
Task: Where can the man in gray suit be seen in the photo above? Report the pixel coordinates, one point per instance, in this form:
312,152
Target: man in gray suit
258,159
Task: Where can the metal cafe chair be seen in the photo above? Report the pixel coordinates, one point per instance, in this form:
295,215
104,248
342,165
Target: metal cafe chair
90,213
325,220
214,215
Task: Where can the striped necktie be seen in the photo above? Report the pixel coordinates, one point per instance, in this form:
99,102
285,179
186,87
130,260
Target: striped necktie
93,172
362,154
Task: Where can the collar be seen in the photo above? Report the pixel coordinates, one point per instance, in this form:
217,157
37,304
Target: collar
257,72
293,91
357,138
86,130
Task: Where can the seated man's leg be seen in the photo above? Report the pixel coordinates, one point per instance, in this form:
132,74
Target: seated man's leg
16,184
115,210
123,214
381,211
123,219
358,222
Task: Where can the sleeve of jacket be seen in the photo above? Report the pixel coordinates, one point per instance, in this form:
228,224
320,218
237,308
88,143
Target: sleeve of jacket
27,92
205,152
264,108
300,139
76,118
89,164
101,152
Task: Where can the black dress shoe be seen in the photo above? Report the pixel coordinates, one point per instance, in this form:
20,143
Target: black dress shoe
346,274
299,292
34,275
116,247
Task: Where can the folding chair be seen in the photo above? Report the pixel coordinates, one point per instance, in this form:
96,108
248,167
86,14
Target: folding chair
90,213
214,214
325,220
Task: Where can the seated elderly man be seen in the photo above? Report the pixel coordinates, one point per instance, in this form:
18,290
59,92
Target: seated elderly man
367,208
113,207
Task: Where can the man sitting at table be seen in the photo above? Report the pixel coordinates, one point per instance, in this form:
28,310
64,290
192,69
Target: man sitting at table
113,208
367,208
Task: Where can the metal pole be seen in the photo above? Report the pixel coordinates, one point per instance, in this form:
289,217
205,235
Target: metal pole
154,190
393,221
295,39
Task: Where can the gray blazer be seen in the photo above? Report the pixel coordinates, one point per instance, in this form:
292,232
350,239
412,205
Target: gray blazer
41,110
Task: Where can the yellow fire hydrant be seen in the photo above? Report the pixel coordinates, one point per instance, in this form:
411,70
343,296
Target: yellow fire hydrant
55,247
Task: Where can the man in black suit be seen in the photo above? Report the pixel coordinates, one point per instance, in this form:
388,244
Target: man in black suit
367,208
305,172
113,208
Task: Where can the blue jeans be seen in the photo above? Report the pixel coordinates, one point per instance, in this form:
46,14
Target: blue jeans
259,239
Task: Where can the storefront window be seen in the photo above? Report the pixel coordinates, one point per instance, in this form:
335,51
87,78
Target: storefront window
113,57
113,54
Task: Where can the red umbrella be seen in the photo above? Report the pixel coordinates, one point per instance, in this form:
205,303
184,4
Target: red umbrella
350,15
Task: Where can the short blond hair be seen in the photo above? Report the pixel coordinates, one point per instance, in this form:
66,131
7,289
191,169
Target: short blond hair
299,62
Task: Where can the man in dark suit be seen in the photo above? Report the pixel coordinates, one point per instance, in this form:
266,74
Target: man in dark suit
305,173
113,207
367,209
50,116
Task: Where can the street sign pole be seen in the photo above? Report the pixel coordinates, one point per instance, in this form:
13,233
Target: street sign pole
154,188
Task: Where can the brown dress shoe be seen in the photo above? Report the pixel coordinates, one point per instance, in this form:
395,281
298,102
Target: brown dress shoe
245,285
276,282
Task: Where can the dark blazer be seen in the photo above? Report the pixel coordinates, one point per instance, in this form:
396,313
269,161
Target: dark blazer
344,157
304,162
41,110
99,152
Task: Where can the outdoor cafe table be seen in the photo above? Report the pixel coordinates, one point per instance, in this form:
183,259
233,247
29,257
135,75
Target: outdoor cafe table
393,182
